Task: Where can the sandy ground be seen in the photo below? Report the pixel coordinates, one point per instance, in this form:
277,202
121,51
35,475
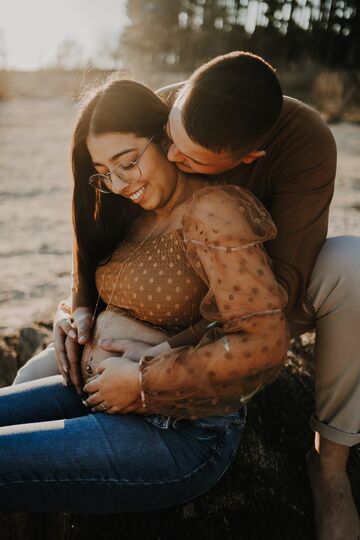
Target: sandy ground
35,219
35,195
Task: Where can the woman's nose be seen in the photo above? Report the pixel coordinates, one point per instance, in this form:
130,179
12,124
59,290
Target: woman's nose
118,184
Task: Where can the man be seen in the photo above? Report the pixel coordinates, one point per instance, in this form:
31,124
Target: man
229,121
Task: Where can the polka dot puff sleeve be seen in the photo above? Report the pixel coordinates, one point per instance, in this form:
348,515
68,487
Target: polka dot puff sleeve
246,342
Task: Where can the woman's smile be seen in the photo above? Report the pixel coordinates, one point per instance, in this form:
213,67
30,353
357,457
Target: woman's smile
138,195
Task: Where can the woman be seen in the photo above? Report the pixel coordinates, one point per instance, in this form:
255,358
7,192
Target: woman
155,248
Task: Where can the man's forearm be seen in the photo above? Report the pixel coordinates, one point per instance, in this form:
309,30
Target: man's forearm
158,349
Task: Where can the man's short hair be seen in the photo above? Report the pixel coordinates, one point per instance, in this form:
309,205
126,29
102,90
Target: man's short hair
231,102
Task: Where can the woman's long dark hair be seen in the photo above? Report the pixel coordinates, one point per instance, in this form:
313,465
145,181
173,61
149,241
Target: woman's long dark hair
102,221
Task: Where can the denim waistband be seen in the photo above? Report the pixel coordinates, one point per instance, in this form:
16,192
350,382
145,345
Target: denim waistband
238,417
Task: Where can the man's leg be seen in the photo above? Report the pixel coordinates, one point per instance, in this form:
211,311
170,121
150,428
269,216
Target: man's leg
334,292
41,365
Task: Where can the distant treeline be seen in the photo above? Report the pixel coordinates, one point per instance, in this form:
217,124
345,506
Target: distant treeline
183,33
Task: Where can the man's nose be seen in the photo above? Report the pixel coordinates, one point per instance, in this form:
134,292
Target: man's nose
174,153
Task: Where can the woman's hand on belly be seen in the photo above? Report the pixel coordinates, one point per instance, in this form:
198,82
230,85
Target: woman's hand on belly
67,327
73,353
116,386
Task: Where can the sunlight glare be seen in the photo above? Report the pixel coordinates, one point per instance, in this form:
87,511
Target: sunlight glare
33,30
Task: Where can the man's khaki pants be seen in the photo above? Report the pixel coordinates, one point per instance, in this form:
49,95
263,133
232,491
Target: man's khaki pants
332,303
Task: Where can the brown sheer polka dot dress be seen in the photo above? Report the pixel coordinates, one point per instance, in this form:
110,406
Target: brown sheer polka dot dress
216,267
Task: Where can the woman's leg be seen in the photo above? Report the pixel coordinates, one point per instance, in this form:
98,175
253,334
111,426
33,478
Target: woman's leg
334,292
55,456
41,365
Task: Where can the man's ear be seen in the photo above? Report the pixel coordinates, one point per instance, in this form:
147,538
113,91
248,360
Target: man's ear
253,156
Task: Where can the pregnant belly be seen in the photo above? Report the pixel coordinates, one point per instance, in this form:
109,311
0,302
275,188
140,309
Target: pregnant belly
116,324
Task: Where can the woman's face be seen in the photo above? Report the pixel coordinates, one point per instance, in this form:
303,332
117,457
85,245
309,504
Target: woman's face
158,176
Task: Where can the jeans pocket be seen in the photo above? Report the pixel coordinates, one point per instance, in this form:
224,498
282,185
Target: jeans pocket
216,423
204,437
238,418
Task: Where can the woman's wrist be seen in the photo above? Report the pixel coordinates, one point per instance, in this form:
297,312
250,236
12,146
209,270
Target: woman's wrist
140,379
130,371
150,353
64,305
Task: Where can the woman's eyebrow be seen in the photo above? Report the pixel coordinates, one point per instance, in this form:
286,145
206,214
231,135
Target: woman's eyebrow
116,156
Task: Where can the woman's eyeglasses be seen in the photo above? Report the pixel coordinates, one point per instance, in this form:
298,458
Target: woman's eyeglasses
127,171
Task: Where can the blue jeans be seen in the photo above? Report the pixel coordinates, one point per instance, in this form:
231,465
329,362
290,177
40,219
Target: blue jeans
56,456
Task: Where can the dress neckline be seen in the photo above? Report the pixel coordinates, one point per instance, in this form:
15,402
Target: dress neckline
172,231
133,242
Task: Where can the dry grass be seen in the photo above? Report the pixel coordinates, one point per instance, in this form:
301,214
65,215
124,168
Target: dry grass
60,83
335,92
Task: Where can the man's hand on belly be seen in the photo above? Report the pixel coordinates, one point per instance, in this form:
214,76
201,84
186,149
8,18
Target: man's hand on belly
132,349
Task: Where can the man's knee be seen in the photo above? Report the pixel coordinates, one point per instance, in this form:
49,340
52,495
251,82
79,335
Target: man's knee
340,259
334,283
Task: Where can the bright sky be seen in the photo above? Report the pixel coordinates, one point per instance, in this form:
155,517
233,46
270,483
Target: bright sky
31,30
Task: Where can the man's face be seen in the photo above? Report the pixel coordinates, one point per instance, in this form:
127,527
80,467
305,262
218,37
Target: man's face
191,157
